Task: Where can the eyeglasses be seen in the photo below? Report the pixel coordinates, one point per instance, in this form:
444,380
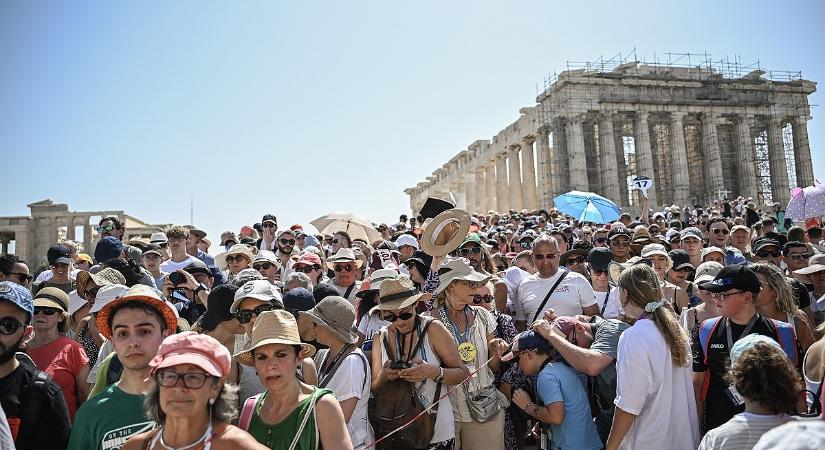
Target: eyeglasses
45,310
92,293
269,225
576,260
191,380
175,239
720,230
235,258
487,298
724,297
798,256
467,251
306,269
245,315
765,254
392,317
343,267
105,229
618,243
9,325
684,269
24,278
287,241
541,256
263,266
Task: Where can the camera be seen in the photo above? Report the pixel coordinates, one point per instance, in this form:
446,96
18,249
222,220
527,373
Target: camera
177,278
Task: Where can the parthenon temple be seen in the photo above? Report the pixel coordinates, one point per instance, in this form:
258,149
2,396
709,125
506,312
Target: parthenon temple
700,130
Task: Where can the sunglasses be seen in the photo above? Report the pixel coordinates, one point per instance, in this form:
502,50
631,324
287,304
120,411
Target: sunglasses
191,380
526,244
105,229
684,269
392,317
541,256
467,251
601,240
765,254
598,273
344,268
287,241
9,326
620,243
263,266
306,269
335,241
487,298
24,278
799,256
576,260
235,258
45,310
92,293
720,230
245,315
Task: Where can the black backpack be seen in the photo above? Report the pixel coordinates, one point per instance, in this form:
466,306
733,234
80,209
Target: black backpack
30,407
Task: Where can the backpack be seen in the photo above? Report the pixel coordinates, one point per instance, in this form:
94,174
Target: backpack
399,405
30,408
784,331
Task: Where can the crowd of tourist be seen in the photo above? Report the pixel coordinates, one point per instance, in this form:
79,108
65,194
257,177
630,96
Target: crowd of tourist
681,328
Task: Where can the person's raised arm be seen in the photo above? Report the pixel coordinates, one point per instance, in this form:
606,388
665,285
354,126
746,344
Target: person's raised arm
584,360
645,210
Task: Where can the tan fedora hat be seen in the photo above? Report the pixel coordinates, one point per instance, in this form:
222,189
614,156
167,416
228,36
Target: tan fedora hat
344,255
274,327
446,232
237,249
816,264
398,293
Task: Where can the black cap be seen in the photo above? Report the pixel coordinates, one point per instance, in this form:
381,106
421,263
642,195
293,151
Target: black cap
269,218
422,258
323,291
298,299
600,258
734,276
217,306
58,254
198,266
619,231
680,258
433,207
579,248
152,248
761,243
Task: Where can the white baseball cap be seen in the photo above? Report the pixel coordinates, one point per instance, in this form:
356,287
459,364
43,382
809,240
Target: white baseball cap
406,239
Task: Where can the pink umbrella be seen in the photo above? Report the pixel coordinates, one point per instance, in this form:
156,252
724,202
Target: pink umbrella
806,203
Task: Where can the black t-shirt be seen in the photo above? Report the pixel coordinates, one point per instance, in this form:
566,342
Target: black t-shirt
800,293
51,427
718,407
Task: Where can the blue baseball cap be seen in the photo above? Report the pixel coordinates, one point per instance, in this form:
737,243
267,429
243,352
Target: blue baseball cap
18,295
108,249
528,340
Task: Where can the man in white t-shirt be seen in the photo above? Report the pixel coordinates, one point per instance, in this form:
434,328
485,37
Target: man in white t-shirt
572,296
177,239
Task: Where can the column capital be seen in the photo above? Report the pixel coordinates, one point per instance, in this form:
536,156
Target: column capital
678,115
529,139
643,116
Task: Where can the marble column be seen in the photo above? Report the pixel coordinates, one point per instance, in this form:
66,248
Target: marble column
644,155
713,155
490,186
780,189
502,182
478,175
607,160
470,193
576,156
545,189
516,200
802,152
747,166
528,171
679,163
70,234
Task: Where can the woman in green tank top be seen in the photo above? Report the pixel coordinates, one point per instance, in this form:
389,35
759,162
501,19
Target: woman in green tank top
289,414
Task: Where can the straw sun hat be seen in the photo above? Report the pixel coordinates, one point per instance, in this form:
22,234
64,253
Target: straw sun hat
274,327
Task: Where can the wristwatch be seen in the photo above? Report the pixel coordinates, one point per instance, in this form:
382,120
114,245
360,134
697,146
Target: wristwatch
440,377
201,287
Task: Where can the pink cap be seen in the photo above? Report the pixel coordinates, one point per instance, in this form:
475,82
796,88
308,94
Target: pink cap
566,325
193,348
309,259
246,230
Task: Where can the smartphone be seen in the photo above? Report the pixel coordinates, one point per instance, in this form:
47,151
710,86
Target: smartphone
398,365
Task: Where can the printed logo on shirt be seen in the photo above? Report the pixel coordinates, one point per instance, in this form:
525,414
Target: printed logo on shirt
717,345
113,440
563,288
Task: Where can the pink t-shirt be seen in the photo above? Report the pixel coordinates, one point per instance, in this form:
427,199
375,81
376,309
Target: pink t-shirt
62,359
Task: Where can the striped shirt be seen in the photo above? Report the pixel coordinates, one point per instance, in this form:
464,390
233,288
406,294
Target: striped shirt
742,431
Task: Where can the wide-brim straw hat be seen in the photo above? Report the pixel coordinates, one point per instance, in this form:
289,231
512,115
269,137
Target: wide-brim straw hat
237,249
445,232
143,294
344,255
454,269
337,315
274,327
398,293
105,277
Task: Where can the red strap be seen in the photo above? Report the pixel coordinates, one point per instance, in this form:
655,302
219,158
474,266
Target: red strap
246,412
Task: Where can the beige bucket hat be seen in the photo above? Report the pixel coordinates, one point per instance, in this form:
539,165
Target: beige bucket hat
337,315
343,255
274,327
237,249
816,264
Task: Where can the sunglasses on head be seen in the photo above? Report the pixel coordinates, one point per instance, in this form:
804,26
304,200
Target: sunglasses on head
720,230
467,251
9,325
541,256
45,310
287,241
263,266
344,267
478,298
235,258
392,317
766,253
245,315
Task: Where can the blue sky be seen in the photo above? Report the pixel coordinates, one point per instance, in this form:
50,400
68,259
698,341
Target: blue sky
302,108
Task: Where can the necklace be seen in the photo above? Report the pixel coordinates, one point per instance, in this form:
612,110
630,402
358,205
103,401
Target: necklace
207,436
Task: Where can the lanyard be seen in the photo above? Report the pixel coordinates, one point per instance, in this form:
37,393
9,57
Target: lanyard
750,325
399,338
462,337
333,364
604,305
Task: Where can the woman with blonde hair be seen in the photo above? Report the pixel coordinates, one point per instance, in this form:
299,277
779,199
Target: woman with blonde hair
655,405
776,301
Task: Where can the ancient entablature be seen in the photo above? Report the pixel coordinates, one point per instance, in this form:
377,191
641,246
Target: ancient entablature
702,132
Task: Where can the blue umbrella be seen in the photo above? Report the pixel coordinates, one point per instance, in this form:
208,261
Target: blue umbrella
587,207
